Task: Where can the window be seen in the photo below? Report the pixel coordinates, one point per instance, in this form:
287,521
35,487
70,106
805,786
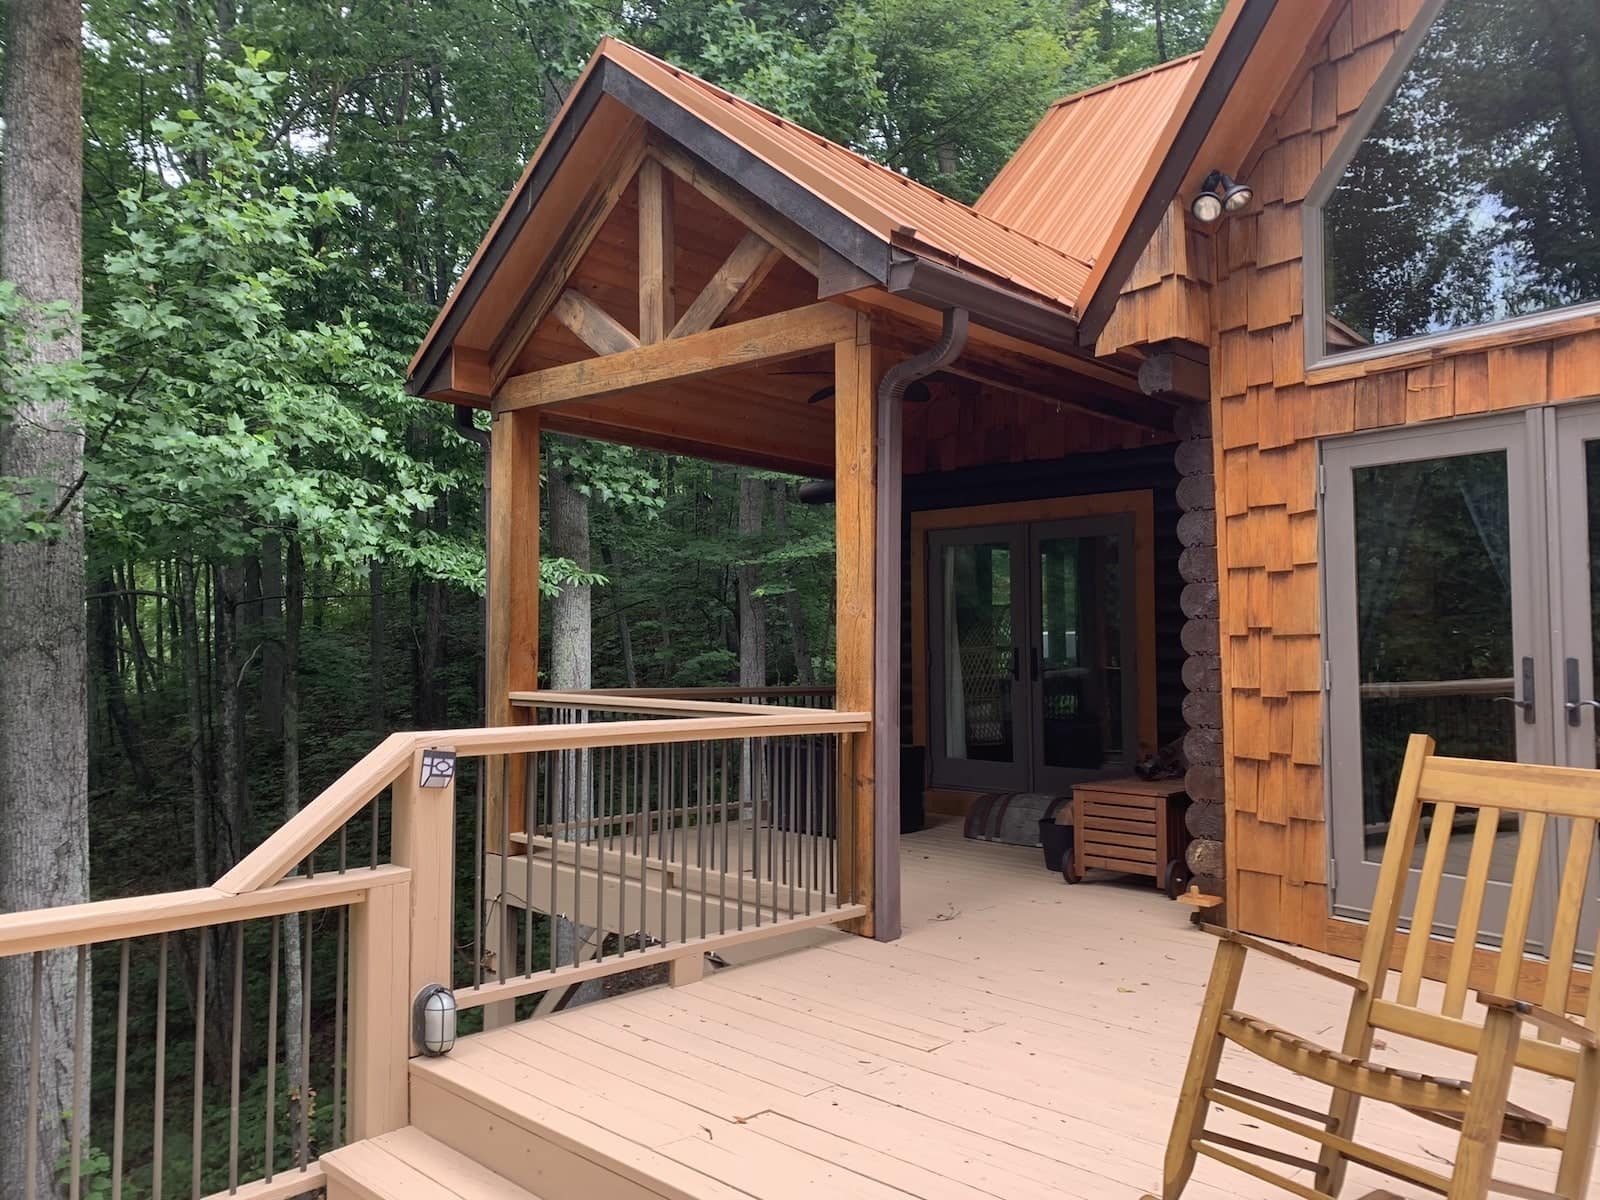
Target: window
1468,191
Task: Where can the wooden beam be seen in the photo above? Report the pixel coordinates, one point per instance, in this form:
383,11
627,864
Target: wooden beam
730,287
591,324
856,376
764,339
656,254
611,179
739,204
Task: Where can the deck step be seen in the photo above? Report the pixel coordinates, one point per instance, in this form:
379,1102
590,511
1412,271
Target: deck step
407,1164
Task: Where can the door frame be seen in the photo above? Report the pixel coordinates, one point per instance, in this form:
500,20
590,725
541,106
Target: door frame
1527,440
1140,504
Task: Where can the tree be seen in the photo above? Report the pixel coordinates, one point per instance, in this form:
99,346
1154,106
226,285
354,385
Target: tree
44,758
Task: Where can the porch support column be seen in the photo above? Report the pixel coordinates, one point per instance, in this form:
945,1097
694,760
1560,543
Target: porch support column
868,620
512,656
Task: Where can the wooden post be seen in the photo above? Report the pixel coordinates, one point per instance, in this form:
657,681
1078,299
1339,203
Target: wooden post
380,1040
855,512
512,655
885,847
424,840
657,312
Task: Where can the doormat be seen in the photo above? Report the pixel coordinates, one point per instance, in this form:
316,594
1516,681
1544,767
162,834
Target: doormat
1011,817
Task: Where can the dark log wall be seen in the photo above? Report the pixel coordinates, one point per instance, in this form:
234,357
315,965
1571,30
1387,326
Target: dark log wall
1202,666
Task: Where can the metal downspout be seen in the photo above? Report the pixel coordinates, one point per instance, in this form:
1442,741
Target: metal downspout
886,669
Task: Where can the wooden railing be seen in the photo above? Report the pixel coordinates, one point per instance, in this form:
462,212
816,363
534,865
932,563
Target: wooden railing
657,829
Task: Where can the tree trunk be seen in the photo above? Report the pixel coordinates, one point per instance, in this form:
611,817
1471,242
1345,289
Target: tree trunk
375,640
630,672
44,749
752,609
188,610
571,659
434,596
232,784
294,602
272,637
103,622
794,608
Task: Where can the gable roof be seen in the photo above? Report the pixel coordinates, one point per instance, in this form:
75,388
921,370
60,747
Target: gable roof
902,235
1069,181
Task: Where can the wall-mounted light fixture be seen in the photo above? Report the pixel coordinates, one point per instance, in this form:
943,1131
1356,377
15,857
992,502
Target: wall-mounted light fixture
433,1020
1219,194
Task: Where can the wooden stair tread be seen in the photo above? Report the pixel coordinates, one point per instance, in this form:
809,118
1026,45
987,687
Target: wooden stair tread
408,1163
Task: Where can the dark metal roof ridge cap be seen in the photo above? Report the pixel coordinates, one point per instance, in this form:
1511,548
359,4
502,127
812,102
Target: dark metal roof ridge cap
941,287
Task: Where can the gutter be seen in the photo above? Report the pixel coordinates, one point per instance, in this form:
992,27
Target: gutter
943,288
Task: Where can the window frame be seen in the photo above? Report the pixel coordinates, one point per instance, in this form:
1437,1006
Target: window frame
1318,357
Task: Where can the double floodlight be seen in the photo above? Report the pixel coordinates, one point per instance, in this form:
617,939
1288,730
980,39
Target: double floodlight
1219,194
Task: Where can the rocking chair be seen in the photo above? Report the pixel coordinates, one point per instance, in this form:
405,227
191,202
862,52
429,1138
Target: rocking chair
1501,1032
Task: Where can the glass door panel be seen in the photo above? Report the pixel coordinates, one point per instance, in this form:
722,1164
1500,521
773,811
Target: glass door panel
1575,501
1431,614
977,604
1082,663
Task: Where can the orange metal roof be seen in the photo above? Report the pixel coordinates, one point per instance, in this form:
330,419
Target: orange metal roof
894,207
1070,181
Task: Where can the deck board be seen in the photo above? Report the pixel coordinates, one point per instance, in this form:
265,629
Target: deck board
1023,1039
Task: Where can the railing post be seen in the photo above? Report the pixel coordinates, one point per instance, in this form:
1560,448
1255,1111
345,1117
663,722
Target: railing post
380,1038
424,841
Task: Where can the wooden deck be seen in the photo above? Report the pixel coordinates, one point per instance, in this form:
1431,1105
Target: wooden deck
1023,1039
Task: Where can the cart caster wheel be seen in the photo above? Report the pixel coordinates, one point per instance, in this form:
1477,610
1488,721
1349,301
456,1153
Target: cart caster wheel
1178,878
1069,872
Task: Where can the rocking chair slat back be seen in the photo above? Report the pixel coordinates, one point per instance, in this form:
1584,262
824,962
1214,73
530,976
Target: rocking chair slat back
1439,792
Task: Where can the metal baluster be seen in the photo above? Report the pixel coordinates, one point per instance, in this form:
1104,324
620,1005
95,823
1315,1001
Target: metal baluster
338,1029
663,849
477,876
554,783
272,1043
376,800
625,826
158,1139
504,965
80,1102
791,846
530,809
744,767
644,846
344,847
233,1077
683,844
199,1063
813,826
306,956
769,784
702,757
722,827
119,1112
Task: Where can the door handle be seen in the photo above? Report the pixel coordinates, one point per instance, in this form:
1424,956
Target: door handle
1526,703
1575,705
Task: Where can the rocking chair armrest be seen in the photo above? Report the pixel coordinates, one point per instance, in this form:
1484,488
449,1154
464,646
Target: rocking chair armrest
1562,1026
1273,950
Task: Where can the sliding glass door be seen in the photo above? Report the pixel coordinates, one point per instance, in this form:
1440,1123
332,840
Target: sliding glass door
1460,570
1033,649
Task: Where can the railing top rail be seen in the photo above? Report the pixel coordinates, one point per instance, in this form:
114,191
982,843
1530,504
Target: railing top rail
691,693
142,916
651,702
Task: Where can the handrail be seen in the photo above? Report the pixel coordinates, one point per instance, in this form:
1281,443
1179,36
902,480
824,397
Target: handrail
357,787
142,916
635,703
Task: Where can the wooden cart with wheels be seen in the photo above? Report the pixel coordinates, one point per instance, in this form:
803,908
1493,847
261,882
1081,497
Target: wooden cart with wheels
1132,826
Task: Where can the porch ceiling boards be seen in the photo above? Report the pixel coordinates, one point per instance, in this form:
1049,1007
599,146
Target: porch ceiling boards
1023,1039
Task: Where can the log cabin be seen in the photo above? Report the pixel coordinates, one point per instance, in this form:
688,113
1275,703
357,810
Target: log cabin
1245,411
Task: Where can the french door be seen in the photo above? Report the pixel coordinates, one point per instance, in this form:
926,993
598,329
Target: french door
1459,571
1033,649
